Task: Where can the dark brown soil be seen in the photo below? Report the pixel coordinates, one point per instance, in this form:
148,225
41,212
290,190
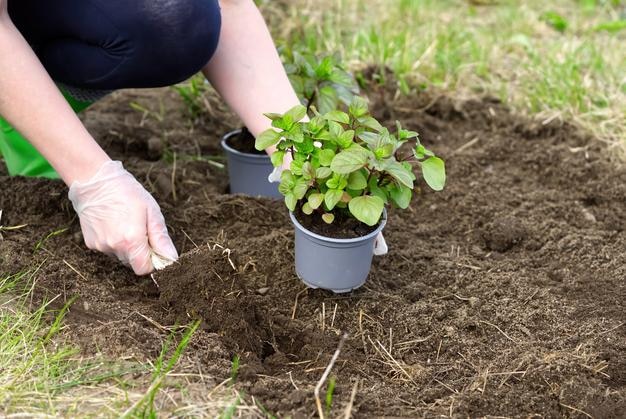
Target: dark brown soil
504,295
342,227
244,142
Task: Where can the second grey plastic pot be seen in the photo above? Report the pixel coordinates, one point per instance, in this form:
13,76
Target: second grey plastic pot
248,172
338,265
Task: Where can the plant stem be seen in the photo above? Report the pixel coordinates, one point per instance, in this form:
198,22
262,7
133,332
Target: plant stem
310,100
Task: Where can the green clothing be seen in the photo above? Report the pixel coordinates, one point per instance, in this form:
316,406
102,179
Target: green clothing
20,157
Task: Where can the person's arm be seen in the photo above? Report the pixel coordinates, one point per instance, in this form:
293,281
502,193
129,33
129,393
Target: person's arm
31,102
117,215
246,69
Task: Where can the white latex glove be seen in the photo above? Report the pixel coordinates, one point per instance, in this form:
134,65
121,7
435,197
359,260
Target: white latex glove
120,218
380,245
274,177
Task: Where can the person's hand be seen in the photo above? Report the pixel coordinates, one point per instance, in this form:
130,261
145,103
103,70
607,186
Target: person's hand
380,245
119,217
274,177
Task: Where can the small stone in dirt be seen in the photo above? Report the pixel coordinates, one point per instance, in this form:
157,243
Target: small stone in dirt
163,185
155,148
263,291
588,215
77,237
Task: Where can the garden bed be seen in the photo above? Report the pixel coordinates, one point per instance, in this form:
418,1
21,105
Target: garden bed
504,294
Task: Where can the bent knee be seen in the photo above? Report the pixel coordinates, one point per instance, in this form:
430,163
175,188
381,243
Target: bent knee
174,39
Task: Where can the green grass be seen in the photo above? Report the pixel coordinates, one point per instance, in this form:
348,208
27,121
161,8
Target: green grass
38,372
41,375
563,58
145,406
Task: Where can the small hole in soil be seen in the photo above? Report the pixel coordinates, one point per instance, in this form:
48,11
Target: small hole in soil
267,350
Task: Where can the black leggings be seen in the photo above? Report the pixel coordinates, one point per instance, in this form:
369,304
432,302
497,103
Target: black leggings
115,44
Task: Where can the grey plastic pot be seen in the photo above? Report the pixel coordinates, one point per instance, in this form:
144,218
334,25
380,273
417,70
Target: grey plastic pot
248,172
338,265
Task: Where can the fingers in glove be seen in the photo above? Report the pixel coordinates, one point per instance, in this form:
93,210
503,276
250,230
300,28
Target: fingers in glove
158,236
380,245
138,256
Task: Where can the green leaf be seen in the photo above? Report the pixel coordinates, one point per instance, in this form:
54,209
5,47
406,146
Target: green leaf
296,113
401,196
331,197
296,167
367,209
300,188
421,152
327,99
376,190
326,157
370,138
277,158
357,180
324,68
384,151
306,208
315,200
434,172
267,139
323,172
308,172
370,122
287,182
346,139
316,124
341,77
349,160
295,133
328,218
291,201
358,107
400,173
273,116
404,134
335,129
338,116
337,181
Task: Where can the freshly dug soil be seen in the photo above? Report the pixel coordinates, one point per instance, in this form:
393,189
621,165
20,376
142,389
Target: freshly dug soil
503,295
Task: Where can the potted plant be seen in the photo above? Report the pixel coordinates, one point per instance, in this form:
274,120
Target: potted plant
322,84
248,168
346,169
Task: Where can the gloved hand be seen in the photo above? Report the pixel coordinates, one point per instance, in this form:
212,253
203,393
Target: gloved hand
119,217
380,245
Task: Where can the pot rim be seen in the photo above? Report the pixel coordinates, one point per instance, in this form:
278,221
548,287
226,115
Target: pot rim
383,222
231,150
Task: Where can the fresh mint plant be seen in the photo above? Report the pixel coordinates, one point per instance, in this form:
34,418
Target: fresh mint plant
347,161
321,83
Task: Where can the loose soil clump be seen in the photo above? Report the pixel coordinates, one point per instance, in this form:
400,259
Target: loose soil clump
502,295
